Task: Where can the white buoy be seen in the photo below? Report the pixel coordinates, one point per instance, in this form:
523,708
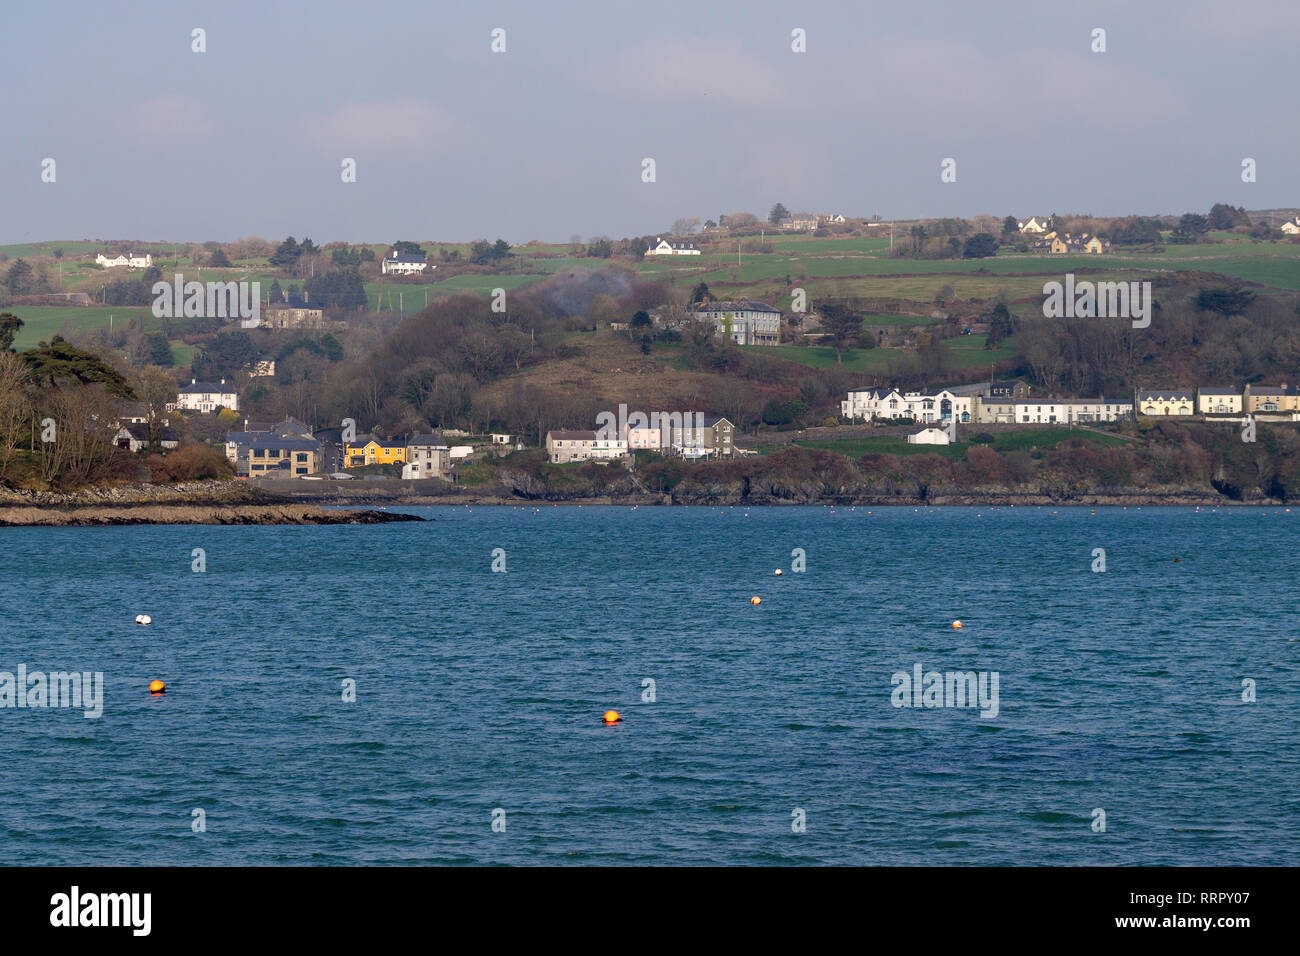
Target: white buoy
143,619
778,572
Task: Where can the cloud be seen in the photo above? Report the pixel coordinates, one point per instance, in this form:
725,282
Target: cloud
169,119
684,68
409,126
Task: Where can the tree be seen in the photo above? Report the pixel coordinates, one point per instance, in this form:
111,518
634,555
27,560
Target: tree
1223,216
9,326
700,294
1000,325
219,259
61,361
156,387
404,248
980,246
277,294
20,279
843,328
641,320
778,213
500,249
286,254
1010,226
159,349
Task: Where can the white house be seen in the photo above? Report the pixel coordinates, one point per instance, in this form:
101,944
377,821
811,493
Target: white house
644,437
888,403
404,265
131,260
426,457
663,247
1034,224
1218,401
867,403
928,436
1064,411
207,397
748,323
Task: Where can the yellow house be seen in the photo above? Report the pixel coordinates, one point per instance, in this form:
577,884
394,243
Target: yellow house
1272,398
1059,247
1166,402
1218,401
370,450
1093,246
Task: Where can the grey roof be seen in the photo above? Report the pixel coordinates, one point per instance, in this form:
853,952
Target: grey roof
571,436
217,387
1175,393
425,439
711,420
1219,391
286,444
741,305
405,258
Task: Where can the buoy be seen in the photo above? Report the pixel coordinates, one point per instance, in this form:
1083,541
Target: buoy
157,687
778,572
612,717
957,624
756,600
143,619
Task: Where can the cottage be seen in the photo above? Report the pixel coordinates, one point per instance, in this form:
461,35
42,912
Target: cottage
1164,402
131,260
403,264
135,437
663,247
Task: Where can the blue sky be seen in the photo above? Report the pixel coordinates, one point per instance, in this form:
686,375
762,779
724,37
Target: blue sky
545,141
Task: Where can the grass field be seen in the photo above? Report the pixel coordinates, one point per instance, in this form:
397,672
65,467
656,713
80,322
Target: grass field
42,322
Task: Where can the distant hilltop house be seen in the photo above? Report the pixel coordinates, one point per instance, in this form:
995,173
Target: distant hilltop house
1166,401
1291,227
747,323
276,451
1060,245
663,247
130,260
1034,224
207,397
285,317
798,225
403,265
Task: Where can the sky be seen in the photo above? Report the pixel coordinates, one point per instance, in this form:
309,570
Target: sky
546,140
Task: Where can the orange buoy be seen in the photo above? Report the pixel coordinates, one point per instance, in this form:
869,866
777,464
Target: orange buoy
157,687
756,600
957,625
612,717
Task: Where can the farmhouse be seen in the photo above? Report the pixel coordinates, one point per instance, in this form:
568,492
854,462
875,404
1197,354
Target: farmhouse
663,247
404,264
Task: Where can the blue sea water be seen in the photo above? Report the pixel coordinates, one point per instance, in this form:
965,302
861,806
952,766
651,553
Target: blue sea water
1120,691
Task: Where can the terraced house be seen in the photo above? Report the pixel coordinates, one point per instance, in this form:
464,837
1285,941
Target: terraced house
372,450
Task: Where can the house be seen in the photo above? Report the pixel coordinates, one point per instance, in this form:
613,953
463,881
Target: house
402,265
1095,246
744,322
799,225
644,437
1066,411
1165,402
835,218
928,436
866,403
567,446
1218,401
207,397
500,438
262,368
131,260
718,433
281,449
372,450
995,409
132,413
1008,388
1034,224
1291,228
889,404
1058,246
135,437
663,247
1271,398
285,317
426,457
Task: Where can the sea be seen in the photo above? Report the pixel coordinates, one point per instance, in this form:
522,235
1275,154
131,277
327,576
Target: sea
433,693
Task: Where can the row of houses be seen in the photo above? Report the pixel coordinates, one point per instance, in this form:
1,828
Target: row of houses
1009,402
129,260
691,435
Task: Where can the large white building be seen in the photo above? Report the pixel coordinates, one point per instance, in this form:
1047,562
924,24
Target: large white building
207,397
131,260
663,247
748,323
1064,411
890,404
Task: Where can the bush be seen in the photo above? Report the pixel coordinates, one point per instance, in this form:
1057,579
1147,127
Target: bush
983,438
189,463
831,421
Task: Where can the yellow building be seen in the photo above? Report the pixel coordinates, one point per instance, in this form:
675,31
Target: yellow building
1093,246
1272,398
370,450
1218,401
1059,247
1166,402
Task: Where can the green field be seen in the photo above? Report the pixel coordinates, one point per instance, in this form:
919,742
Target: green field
43,322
